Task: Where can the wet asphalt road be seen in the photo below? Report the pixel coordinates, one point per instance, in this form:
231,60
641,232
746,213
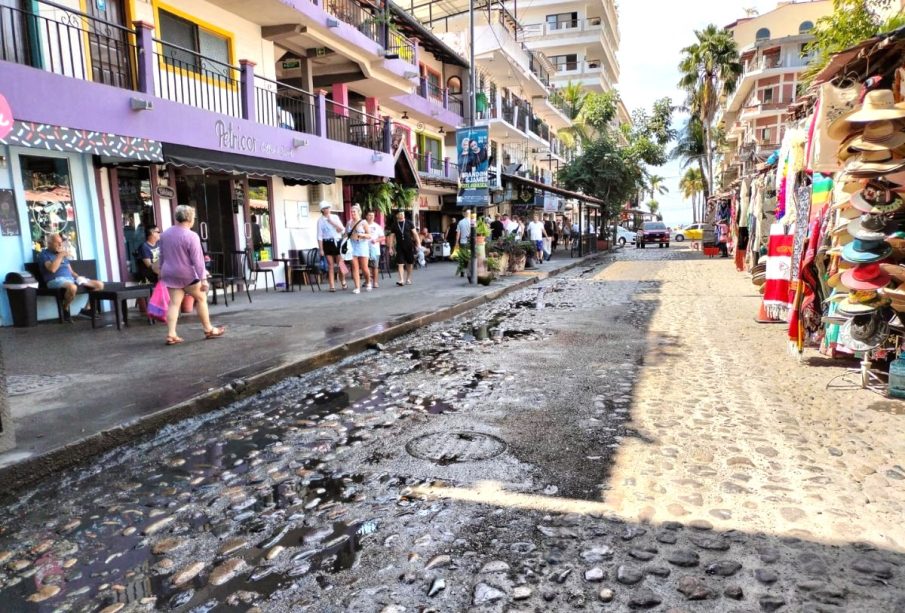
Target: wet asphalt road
463,466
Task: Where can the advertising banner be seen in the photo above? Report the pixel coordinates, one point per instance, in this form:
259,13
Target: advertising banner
473,156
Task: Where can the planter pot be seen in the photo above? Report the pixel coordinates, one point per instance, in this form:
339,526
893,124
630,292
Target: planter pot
480,240
486,278
517,263
603,244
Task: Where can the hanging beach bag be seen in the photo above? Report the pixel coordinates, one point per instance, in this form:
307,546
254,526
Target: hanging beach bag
159,303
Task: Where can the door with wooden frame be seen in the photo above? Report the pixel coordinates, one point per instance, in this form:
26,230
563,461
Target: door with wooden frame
108,43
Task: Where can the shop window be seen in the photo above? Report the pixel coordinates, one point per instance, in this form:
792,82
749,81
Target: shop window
48,197
188,35
762,34
805,27
562,20
136,210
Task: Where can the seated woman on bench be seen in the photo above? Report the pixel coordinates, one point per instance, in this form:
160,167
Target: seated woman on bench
58,273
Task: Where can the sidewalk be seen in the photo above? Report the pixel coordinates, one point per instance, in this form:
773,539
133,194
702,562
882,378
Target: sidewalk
76,392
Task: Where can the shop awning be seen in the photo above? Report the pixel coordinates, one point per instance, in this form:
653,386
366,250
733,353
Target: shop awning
553,190
233,163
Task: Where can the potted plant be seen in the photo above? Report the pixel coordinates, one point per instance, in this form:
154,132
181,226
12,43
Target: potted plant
530,250
514,252
463,261
482,231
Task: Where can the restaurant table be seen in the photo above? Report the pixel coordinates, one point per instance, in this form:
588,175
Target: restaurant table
287,262
118,294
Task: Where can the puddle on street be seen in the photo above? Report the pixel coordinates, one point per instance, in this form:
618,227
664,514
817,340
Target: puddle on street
246,490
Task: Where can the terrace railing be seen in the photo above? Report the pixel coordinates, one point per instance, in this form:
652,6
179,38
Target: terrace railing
284,106
68,42
351,126
187,77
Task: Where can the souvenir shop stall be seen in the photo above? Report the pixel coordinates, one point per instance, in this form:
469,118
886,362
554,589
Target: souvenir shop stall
821,225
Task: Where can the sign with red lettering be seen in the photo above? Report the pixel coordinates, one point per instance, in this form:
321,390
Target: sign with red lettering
6,118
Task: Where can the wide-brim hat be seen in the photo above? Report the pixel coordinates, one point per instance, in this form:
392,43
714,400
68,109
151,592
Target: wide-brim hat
865,277
866,331
878,197
869,164
895,271
868,228
878,105
851,308
865,252
877,136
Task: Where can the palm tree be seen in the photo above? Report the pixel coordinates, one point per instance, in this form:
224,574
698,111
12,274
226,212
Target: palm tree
655,186
710,69
573,96
692,185
654,207
690,147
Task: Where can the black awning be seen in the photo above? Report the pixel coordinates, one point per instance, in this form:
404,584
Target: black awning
234,163
589,201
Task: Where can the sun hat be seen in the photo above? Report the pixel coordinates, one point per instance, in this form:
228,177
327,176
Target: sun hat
325,205
895,271
866,331
865,252
877,136
868,228
878,197
878,105
867,164
865,277
852,308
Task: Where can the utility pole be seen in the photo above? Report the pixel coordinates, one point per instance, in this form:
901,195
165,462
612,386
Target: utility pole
472,111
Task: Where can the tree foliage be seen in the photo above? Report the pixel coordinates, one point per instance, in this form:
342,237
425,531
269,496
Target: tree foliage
851,22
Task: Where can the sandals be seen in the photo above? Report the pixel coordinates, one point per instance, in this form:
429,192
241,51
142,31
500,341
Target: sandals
400,283
215,332
333,290
344,286
174,340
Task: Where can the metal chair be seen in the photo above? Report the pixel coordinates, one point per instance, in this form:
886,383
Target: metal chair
218,280
239,273
255,269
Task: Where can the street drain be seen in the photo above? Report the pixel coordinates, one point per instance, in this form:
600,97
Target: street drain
453,447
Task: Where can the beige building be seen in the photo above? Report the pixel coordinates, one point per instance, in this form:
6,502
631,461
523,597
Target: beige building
772,50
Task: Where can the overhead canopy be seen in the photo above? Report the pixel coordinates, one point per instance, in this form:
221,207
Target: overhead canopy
590,200
234,163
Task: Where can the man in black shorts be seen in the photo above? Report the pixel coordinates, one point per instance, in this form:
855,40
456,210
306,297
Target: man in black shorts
404,242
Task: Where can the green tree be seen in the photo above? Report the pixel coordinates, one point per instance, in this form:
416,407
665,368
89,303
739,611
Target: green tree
692,186
654,207
851,22
710,69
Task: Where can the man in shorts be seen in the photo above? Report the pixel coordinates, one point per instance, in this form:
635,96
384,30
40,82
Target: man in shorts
404,243
536,234
58,273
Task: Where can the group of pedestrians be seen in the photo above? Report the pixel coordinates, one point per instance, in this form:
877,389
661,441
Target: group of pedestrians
365,237
545,232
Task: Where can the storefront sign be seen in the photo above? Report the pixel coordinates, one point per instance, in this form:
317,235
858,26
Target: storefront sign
231,138
6,118
472,147
552,203
165,191
9,216
56,138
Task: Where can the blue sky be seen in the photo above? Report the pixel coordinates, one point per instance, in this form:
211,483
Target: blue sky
653,34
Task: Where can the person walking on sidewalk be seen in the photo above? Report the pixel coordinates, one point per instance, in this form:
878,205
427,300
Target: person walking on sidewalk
183,272
377,239
722,233
404,243
463,230
536,234
360,236
329,233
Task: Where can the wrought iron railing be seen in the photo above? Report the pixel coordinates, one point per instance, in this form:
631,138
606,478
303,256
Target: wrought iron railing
187,77
508,113
538,69
456,104
400,46
436,166
67,42
434,91
284,106
351,126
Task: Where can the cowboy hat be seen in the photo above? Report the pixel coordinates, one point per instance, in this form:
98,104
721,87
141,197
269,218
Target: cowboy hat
865,331
877,197
895,271
867,164
865,277
865,252
868,228
877,136
878,105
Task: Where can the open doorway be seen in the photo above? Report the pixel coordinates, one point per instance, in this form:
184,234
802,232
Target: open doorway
260,219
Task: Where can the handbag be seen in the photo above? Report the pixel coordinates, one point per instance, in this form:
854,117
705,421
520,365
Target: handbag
159,303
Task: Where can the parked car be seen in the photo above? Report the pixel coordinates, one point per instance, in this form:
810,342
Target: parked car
652,232
694,232
624,236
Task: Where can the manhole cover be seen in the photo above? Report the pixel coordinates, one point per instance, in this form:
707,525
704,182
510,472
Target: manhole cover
452,447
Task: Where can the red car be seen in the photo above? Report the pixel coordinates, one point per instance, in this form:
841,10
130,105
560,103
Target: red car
652,232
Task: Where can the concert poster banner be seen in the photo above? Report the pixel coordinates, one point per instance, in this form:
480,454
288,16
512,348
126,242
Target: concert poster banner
473,156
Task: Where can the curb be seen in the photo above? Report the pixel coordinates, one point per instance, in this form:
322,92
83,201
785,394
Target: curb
31,470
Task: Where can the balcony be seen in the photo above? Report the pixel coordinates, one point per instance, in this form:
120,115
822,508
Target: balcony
434,167
114,68
563,28
371,22
764,109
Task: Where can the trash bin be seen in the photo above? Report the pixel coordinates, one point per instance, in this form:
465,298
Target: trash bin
22,290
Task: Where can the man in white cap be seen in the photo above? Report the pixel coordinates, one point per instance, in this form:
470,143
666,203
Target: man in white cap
329,233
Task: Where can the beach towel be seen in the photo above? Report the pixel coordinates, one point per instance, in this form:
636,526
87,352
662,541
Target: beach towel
779,273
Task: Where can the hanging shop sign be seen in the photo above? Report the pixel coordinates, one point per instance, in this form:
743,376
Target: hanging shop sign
472,147
165,191
552,203
56,138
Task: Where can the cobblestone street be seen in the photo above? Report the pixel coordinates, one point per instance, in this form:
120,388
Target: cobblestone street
619,437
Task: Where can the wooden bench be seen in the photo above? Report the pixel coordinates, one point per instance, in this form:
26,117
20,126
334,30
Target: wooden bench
85,268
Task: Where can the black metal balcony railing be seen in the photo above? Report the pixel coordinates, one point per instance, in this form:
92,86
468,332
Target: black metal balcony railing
434,91
69,43
188,77
456,104
508,113
400,46
538,69
353,127
281,105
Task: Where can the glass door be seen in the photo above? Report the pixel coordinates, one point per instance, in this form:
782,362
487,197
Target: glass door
135,214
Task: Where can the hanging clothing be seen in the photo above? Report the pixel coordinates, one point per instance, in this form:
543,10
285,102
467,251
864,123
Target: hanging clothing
778,274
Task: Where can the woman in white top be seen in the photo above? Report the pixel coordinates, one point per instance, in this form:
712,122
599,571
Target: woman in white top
329,233
360,236
378,238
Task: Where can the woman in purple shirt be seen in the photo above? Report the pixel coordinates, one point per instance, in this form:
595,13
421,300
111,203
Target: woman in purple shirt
182,271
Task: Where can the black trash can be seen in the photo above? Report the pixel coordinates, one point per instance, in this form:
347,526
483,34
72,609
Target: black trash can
22,290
